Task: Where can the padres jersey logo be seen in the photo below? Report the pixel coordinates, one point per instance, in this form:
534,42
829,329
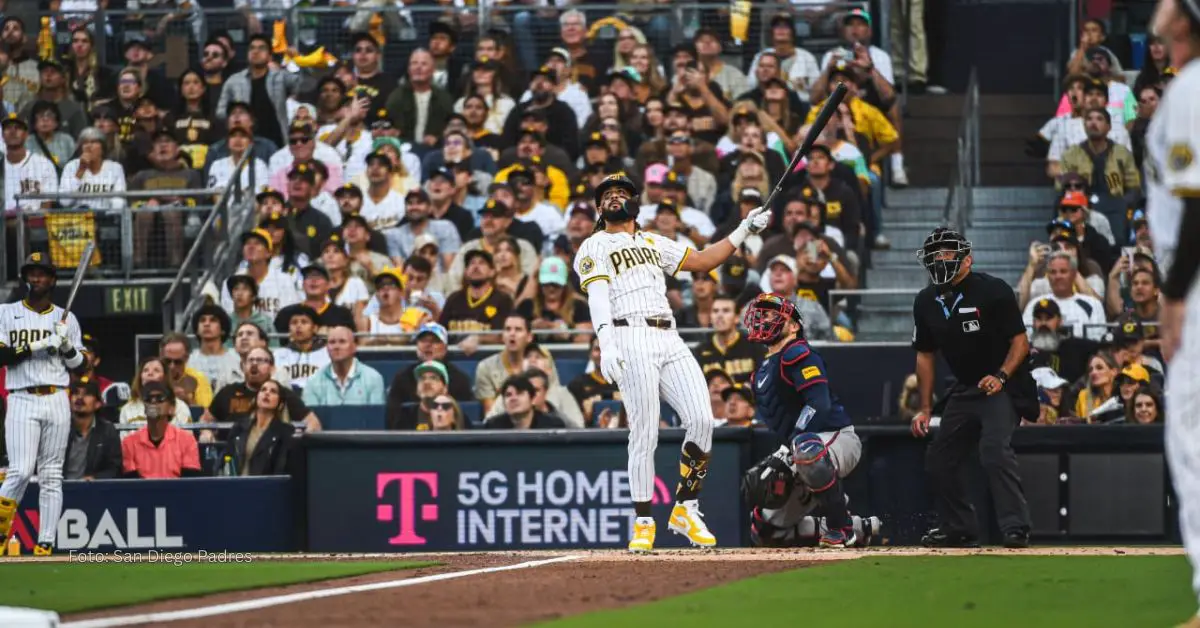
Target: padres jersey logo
624,259
18,337
586,266
1180,157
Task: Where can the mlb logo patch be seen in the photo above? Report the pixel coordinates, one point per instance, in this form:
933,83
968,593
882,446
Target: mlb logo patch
970,326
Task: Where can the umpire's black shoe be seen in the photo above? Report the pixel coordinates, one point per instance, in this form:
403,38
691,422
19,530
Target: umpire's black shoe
938,537
1016,539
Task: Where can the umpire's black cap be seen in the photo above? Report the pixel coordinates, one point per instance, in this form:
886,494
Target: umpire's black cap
40,260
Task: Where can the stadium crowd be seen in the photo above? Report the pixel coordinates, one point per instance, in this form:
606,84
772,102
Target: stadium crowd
439,202
1090,291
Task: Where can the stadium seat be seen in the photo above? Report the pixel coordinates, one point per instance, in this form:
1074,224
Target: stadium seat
342,418
473,413
386,368
569,368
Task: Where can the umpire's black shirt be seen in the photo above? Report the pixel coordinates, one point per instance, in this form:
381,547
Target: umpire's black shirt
972,324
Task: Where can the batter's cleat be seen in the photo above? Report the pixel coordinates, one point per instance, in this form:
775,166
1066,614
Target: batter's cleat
643,536
686,520
938,537
43,549
840,539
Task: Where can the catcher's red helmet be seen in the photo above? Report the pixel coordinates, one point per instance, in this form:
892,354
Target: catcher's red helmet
767,316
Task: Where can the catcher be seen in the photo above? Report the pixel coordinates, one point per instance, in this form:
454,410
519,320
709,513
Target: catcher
817,443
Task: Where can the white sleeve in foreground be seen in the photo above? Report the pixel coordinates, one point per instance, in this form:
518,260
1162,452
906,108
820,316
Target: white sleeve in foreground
599,304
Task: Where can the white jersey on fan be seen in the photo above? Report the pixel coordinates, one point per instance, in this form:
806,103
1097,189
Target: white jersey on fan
110,179
547,217
221,171
278,290
354,154
20,325
294,367
387,213
635,265
33,175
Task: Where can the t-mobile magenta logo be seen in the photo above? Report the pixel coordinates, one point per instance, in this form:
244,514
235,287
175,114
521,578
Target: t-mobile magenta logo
406,533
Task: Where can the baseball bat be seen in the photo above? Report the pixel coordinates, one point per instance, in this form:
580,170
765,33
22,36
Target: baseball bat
84,260
818,125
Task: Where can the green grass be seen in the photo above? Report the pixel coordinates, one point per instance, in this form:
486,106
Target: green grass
74,587
931,592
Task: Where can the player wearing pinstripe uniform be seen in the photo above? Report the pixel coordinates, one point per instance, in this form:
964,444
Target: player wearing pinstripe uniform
1173,208
623,271
24,172
38,347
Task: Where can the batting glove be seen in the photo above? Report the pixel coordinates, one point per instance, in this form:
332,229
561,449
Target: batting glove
755,222
60,329
49,344
612,362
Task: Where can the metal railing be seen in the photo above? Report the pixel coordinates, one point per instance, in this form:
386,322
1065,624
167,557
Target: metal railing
213,254
964,177
126,246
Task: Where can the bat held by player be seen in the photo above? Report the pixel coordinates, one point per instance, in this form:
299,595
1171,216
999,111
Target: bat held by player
818,125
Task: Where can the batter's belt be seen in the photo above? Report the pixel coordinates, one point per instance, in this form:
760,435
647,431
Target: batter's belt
657,323
40,391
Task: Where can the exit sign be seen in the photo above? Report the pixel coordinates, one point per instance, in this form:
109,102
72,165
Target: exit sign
120,300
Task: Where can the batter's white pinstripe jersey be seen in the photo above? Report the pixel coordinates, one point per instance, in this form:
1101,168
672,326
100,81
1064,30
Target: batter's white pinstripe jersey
21,325
278,290
388,212
1171,165
295,367
33,175
635,266
111,178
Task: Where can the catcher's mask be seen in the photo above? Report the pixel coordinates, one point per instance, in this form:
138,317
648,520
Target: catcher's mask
943,253
767,317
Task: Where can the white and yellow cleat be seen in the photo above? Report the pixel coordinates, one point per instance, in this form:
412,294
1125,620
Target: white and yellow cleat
686,520
643,536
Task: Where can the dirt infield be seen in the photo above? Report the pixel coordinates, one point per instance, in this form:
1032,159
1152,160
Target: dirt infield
584,581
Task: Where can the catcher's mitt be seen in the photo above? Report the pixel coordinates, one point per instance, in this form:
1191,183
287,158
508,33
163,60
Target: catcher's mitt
768,483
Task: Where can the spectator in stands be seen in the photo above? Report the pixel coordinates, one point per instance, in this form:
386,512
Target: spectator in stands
93,447
418,107
726,349
1052,345
22,66
1128,342
701,97
316,297
445,415
561,122
241,116
842,208
1100,387
192,120
243,291
704,293
190,385
235,401
432,341
247,336
1051,390
267,91
654,150
47,138
53,89
442,205
14,94
24,172
797,64
739,406
402,238
556,306
420,290
345,289
781,276
708,50
495,222
1088,241
1093,34
701,184
1083,314
1147,99
371,81
91,172
539,358
767,68
668,224
663,184
1075,198
387,323
167,172
718,382
303,148
487,82
509,276
1034,283
495,369
432,381
311,226
590,386
304,354
161,449
345,381
278,287
1119,178
1131,377
820,266
260,443
214,67
874,132
366,262
349,135
519,394
1144,293
382,206
1121,103
1145,407
254,177
220,365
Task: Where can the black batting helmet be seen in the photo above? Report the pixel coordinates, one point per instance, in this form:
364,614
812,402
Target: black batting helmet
942,268
38,260
619,181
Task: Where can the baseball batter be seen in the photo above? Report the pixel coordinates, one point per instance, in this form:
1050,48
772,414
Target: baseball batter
1173,205
623,272
38,348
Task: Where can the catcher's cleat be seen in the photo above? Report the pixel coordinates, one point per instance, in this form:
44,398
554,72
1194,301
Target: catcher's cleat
43,549
686,520
643,537
840,539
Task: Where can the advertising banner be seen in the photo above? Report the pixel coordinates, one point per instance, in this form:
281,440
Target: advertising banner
214,514
467,494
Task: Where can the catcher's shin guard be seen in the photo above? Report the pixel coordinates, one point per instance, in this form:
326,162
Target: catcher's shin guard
8,512
693,467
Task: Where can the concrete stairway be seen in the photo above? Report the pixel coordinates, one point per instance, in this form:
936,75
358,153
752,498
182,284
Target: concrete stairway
1006,220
